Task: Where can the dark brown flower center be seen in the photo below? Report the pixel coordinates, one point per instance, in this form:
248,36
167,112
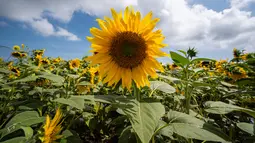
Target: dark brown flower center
128,49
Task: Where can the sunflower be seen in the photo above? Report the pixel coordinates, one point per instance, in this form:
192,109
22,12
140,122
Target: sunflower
17,54
45,61
56,60
1,59
15,70
244,57
52,128
16,48
23,55
173,67
126,47
75,63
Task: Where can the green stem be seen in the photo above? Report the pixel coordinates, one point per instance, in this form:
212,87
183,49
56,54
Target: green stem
187,95
137,92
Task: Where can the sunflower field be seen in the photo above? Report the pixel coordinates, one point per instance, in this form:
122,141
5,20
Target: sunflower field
122,94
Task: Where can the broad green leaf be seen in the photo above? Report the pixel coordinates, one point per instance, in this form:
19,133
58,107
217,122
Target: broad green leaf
183,52
197,84
4,70
165,130
227,84
28,132
191,127
15,140
169,78
26,119
25,79
127,135
249,128
70,136
84,83
59,80
201,59
162,86
179,58
196,132
144,117
224,108
74,101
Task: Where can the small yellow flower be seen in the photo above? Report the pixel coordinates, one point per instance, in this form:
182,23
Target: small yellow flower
10,64
244,57
52,128
75,63
56,60
51,68
16,48
173,67
1,59
23,46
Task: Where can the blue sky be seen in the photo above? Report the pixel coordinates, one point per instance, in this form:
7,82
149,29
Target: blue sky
214,27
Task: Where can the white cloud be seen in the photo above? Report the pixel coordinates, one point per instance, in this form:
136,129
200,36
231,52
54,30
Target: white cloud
3,24
183,24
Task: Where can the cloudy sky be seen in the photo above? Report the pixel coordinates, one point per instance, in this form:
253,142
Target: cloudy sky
214,27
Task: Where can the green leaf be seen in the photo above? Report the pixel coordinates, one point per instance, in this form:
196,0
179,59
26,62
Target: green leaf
179,58
84,83
196,132
15,140
162,86
183,52
197,84
201,59
3,70
249,128
74,101
71,136
58,80
26,119
169,78
227,84
127,135
26,79
167,130
144,117
28,132
223,108
190,127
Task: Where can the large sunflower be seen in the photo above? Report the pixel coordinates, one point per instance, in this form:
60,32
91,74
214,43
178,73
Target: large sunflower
126,48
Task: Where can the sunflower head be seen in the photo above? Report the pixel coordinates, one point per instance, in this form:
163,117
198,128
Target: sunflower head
45,61
173,66
236,53
16,48
126,47
23,55
1,59
56,60
16,54
15,70
75,63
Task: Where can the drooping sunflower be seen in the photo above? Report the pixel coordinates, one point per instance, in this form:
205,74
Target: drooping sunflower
45,61
52,128
126,47
75,63
16,48
56,60
16,54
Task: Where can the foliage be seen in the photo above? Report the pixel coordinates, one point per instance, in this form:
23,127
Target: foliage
194,100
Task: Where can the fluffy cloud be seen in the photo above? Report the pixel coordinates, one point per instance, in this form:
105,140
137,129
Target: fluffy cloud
3,24
183,24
